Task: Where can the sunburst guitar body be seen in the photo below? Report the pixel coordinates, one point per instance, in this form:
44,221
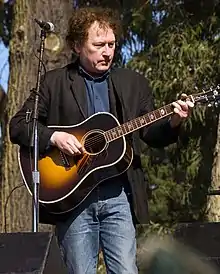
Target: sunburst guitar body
66,181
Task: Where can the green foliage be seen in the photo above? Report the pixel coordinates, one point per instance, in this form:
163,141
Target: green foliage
176,45
180,54
5,20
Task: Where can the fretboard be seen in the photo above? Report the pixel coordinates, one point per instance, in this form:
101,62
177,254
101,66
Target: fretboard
137,123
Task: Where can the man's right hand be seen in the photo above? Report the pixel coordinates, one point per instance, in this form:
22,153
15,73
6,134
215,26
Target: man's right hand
67,143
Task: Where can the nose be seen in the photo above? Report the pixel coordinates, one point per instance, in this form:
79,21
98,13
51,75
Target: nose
107,50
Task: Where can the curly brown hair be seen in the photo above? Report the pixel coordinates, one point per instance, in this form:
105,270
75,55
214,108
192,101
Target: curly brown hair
82,19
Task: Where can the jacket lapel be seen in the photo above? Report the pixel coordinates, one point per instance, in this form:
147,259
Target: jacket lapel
115,83
78,89
116,88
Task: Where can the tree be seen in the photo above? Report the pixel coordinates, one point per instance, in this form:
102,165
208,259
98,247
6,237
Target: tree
5,20
3,97
180,49
23,46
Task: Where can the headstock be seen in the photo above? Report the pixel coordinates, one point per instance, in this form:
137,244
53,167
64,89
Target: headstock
212,95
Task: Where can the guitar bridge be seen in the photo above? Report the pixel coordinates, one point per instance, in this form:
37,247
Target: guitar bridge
65,160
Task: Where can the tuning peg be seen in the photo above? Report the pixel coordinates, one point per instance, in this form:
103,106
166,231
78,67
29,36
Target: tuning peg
215,92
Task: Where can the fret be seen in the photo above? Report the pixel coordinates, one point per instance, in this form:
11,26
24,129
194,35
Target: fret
169,109
120,132
137,123
109,134
124,129
130,126
114,133
162,111
147,119
152,116
142,121
157,114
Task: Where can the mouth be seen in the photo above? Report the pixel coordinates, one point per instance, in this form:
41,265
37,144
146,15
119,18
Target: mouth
104,62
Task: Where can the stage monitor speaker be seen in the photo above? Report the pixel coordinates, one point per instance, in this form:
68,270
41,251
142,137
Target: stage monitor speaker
203,237
30,252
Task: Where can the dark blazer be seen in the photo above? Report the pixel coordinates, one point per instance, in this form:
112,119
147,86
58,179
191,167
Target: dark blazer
63,101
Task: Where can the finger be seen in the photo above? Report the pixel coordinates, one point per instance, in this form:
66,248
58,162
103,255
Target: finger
183,96
78,144
75,149
181,113
183,105
68,151
176,111
190,103
177,105
72,140
71,147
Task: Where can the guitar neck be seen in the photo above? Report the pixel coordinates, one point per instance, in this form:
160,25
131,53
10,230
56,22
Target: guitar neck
138,123
211,96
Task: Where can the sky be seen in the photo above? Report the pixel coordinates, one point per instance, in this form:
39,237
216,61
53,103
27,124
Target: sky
4,67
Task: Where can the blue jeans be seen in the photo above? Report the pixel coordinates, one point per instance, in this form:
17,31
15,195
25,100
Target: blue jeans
105,221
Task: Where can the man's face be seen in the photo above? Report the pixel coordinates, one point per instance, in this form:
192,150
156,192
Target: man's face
97,53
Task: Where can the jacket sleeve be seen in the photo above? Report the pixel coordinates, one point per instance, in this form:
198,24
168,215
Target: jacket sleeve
20,128
160,133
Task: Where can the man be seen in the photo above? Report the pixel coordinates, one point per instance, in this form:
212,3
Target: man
68,96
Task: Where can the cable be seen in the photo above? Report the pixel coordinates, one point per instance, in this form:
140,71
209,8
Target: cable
6,203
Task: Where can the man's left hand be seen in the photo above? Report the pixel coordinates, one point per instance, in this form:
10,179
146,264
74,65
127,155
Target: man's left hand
182,110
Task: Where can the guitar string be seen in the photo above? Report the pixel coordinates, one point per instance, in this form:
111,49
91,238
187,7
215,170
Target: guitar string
135,125
168,110
98,139
93,140
89,158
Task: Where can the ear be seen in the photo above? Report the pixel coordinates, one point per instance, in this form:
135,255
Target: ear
77,48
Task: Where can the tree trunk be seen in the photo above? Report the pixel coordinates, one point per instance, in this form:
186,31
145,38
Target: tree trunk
213,202
3,97
24,45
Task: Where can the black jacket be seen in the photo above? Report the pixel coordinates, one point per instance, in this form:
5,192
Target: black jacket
63,101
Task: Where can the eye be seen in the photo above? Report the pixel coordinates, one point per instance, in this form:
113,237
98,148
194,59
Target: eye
111,45
100,45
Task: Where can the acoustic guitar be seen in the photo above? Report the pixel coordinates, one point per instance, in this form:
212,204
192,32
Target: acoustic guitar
66,181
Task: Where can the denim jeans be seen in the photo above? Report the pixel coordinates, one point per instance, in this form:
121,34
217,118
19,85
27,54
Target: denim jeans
103,221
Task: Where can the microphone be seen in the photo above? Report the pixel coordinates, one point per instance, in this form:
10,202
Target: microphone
47,26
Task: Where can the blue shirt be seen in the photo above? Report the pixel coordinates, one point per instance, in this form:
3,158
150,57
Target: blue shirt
97,92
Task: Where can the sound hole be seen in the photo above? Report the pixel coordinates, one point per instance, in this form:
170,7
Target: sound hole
94,142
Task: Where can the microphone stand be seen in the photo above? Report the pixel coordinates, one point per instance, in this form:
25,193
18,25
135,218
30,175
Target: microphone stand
214,192
34,140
